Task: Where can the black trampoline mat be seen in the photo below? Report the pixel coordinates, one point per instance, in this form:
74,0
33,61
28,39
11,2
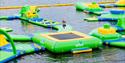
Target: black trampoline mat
66,36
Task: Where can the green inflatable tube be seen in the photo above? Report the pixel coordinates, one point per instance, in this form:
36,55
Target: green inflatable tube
3,17
80,6
7,29
120,5
37,23
118,44
20,38
10,40
37,39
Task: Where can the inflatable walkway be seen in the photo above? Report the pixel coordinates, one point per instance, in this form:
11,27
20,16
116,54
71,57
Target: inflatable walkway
10,50
29,14
113,15
92,8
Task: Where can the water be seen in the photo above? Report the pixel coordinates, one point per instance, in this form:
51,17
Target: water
104,55
39,2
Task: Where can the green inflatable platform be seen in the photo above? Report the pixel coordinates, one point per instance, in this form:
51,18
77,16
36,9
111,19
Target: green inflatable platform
9,50
109,36
91,8
67,42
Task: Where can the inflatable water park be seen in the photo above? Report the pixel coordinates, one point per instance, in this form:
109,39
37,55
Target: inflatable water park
112,35
55,42
66,39
97,8
30,14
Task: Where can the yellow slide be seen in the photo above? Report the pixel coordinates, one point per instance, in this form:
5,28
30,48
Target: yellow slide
3,40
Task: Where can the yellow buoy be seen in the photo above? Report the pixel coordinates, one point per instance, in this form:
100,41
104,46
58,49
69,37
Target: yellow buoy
107,31
93,5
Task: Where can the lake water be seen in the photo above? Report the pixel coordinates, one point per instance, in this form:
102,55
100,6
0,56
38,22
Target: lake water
74,18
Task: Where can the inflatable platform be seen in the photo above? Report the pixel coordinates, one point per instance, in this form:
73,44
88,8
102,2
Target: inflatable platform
114,15
91,8
109,36
72,41
119,3
10,50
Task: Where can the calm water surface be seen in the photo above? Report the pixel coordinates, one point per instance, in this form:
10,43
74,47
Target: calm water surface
103,55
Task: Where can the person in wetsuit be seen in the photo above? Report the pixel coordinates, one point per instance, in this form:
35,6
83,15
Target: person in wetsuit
64,24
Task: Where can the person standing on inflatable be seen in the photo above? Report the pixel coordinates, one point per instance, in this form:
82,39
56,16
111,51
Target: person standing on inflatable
64,24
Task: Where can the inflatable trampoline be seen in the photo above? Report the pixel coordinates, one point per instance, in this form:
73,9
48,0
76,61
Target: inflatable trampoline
67,42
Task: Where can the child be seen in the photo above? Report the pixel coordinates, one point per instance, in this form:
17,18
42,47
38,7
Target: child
63,24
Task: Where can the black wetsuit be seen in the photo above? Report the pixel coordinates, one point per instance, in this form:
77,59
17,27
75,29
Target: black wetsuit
64,24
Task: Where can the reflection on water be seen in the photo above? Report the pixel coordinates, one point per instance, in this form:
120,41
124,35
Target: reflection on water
107,55
20,27
27,27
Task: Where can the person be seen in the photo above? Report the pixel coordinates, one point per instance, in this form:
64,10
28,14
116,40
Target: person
64,24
